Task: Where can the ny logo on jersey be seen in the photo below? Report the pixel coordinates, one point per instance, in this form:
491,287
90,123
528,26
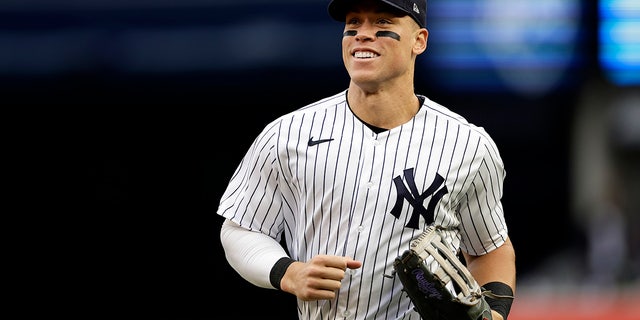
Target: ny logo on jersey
416,200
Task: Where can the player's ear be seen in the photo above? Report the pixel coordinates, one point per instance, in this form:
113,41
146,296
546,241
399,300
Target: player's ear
420,42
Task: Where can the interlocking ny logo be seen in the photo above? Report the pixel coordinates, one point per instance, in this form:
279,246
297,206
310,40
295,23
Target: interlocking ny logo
416,200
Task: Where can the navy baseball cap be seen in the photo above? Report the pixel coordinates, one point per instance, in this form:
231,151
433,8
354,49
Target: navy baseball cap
416,9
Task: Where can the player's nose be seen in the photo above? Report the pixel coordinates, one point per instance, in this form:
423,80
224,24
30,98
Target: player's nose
366,32
364,36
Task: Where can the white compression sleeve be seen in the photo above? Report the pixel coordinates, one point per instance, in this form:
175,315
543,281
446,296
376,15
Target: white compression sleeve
252,254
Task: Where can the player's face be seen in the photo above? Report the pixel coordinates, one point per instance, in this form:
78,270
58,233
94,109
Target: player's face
380,46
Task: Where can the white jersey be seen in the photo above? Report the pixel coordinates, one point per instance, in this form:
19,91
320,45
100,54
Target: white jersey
331,185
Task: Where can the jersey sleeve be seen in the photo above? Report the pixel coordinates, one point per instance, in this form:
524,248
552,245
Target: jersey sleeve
483,226
252,198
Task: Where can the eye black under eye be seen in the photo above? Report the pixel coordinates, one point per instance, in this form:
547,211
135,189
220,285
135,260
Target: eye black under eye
350,33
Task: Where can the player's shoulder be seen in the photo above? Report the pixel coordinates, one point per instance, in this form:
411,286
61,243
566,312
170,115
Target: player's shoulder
330,102
443,111
326,104
452,116
296,117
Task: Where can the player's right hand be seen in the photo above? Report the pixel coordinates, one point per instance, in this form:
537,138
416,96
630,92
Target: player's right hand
318,278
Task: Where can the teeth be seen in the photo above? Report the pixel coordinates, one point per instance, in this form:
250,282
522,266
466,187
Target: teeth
365,54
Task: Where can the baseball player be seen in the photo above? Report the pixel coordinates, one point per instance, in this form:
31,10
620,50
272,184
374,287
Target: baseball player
351,179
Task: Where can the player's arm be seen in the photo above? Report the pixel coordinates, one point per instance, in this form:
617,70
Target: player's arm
496,271
262,261
252,254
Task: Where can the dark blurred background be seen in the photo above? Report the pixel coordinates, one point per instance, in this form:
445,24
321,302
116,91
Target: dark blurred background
151,105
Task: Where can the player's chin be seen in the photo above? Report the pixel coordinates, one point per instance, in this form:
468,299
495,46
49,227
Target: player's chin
364,77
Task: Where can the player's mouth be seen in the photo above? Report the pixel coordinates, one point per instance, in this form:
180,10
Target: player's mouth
365,54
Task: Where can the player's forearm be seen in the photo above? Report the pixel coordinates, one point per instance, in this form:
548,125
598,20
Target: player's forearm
496,266
496,272
252,254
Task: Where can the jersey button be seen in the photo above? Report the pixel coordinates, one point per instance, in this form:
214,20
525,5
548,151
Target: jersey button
360,228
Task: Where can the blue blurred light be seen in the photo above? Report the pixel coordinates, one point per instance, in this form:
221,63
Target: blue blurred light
528,47
619,41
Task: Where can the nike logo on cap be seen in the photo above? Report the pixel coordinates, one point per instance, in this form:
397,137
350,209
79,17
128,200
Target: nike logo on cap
315,142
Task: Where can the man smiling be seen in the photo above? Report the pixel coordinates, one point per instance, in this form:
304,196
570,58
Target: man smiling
351,179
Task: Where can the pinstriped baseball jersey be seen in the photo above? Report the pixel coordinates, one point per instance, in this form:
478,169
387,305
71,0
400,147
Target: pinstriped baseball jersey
331,185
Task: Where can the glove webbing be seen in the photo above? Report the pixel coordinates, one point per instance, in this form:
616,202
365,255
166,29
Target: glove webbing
430,243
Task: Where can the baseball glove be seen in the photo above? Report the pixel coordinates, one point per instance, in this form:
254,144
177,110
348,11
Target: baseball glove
438,284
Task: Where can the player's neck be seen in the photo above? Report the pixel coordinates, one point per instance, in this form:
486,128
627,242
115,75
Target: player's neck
381,109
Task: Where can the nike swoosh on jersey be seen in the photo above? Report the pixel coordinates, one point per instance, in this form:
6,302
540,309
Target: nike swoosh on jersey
315,142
